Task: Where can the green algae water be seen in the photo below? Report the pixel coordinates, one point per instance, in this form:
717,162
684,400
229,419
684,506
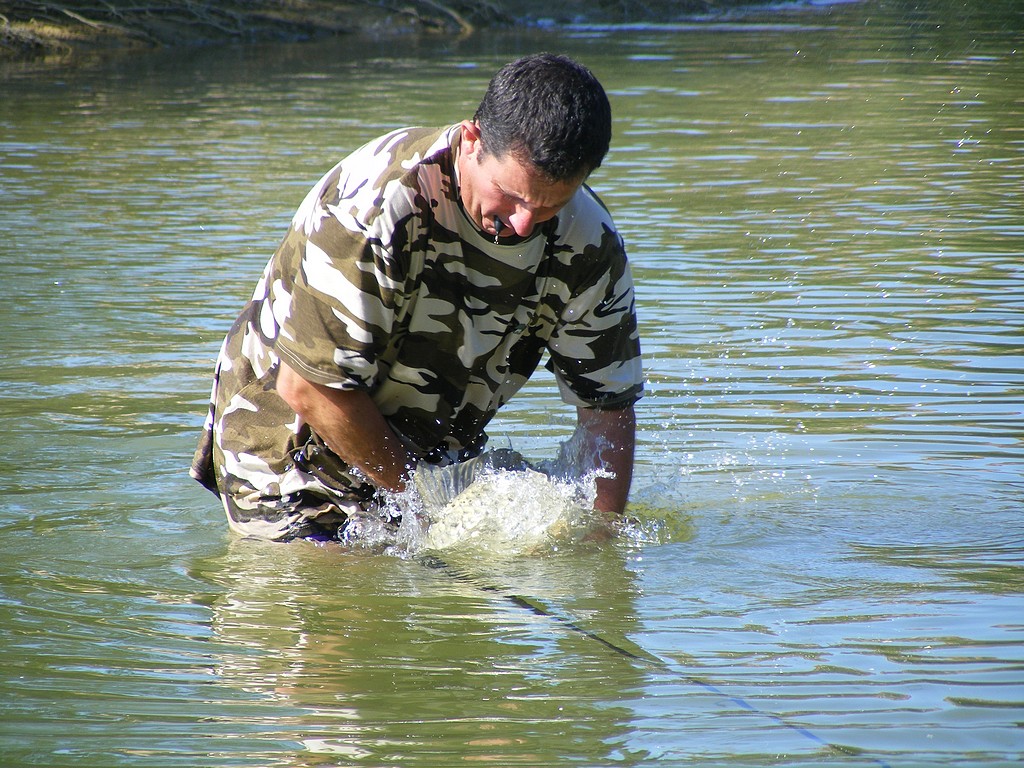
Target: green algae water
823,208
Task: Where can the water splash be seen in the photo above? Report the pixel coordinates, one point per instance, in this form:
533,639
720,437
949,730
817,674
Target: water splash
510,512
500,504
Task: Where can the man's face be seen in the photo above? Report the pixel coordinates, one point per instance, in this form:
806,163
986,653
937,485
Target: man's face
506,189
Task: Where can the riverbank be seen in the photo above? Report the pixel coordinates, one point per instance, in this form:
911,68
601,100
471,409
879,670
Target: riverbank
30,29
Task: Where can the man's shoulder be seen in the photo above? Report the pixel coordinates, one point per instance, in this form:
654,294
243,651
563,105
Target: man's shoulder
587,221
396,168
400,151
383,173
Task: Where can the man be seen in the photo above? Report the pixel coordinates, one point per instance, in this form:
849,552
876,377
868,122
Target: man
421,282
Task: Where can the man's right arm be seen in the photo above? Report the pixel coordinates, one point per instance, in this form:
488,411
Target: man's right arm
351,425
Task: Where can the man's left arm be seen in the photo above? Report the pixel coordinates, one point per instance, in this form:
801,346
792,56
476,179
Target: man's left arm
611,436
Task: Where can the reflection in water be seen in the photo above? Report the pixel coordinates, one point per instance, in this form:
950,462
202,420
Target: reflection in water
387,660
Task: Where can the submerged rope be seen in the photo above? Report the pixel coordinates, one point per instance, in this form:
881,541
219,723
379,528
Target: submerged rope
640,655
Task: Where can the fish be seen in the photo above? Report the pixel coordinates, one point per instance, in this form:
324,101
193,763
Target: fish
499,503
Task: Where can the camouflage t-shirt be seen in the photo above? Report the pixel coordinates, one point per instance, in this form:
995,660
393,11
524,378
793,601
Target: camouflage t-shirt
384,284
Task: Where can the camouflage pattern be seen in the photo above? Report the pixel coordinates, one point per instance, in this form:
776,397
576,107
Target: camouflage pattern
384,284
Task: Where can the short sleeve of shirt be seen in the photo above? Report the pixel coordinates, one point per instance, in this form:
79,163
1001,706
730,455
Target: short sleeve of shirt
342,268
595,346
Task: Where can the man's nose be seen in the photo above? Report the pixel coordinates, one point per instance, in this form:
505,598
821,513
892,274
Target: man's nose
522,221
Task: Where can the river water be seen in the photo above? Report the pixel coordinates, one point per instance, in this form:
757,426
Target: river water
823,206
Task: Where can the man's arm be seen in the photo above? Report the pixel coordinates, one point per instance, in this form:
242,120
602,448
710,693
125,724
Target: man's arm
351,425
613,433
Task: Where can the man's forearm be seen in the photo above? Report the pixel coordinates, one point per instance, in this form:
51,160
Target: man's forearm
351,425
613,434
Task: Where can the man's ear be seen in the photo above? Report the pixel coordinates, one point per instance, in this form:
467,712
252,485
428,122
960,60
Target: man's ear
470,139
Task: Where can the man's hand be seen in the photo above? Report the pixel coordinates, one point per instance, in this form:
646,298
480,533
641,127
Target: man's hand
611,438
351,425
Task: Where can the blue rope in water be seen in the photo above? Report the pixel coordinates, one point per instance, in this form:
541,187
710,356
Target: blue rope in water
640,655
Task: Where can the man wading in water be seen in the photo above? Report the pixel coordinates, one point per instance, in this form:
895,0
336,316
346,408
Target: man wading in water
420,283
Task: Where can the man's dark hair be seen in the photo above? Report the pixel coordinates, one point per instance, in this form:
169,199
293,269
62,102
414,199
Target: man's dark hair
550,111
